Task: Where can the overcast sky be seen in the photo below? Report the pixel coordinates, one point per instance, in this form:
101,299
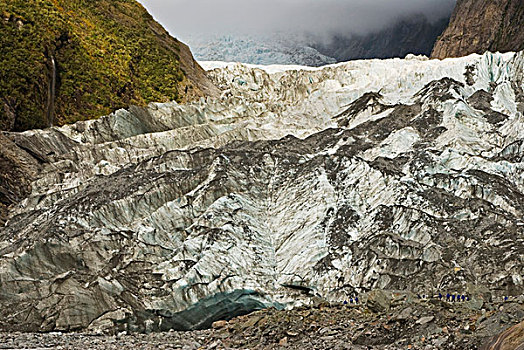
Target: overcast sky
184,18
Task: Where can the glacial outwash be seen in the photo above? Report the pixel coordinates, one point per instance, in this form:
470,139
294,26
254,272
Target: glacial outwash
296,183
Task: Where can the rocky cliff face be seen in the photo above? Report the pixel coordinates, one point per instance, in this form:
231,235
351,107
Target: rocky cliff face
295,183
483,25
510,339
65,61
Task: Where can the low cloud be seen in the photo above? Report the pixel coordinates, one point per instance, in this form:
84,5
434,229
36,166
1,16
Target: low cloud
321,17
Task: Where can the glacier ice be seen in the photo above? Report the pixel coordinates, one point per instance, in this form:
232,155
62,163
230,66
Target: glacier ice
297,182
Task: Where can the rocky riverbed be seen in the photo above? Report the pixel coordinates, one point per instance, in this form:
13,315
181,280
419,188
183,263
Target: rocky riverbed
401,321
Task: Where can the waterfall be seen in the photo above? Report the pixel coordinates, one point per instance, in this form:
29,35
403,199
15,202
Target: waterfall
51,94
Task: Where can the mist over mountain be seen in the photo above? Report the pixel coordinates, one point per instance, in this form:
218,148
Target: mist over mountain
326,17
414,34
409,35
307,32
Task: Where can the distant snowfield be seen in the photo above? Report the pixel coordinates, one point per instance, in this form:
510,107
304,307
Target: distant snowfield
278,68
273,68
264,50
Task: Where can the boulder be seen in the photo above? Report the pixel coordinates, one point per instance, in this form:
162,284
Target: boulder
378,301
511,339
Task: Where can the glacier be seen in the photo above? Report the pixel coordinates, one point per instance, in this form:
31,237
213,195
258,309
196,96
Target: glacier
296,183
276,48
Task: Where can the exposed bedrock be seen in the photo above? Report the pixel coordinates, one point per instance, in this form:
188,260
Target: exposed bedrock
477,26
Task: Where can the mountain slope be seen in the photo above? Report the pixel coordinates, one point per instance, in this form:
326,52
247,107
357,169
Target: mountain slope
414,34
65,61
295,183
477,26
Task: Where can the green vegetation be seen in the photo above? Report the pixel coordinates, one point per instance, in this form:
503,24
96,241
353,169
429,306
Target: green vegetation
109,54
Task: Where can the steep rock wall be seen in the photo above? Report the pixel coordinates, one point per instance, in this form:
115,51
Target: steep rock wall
477,26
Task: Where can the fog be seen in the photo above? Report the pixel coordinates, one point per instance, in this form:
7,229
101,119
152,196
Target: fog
195,17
